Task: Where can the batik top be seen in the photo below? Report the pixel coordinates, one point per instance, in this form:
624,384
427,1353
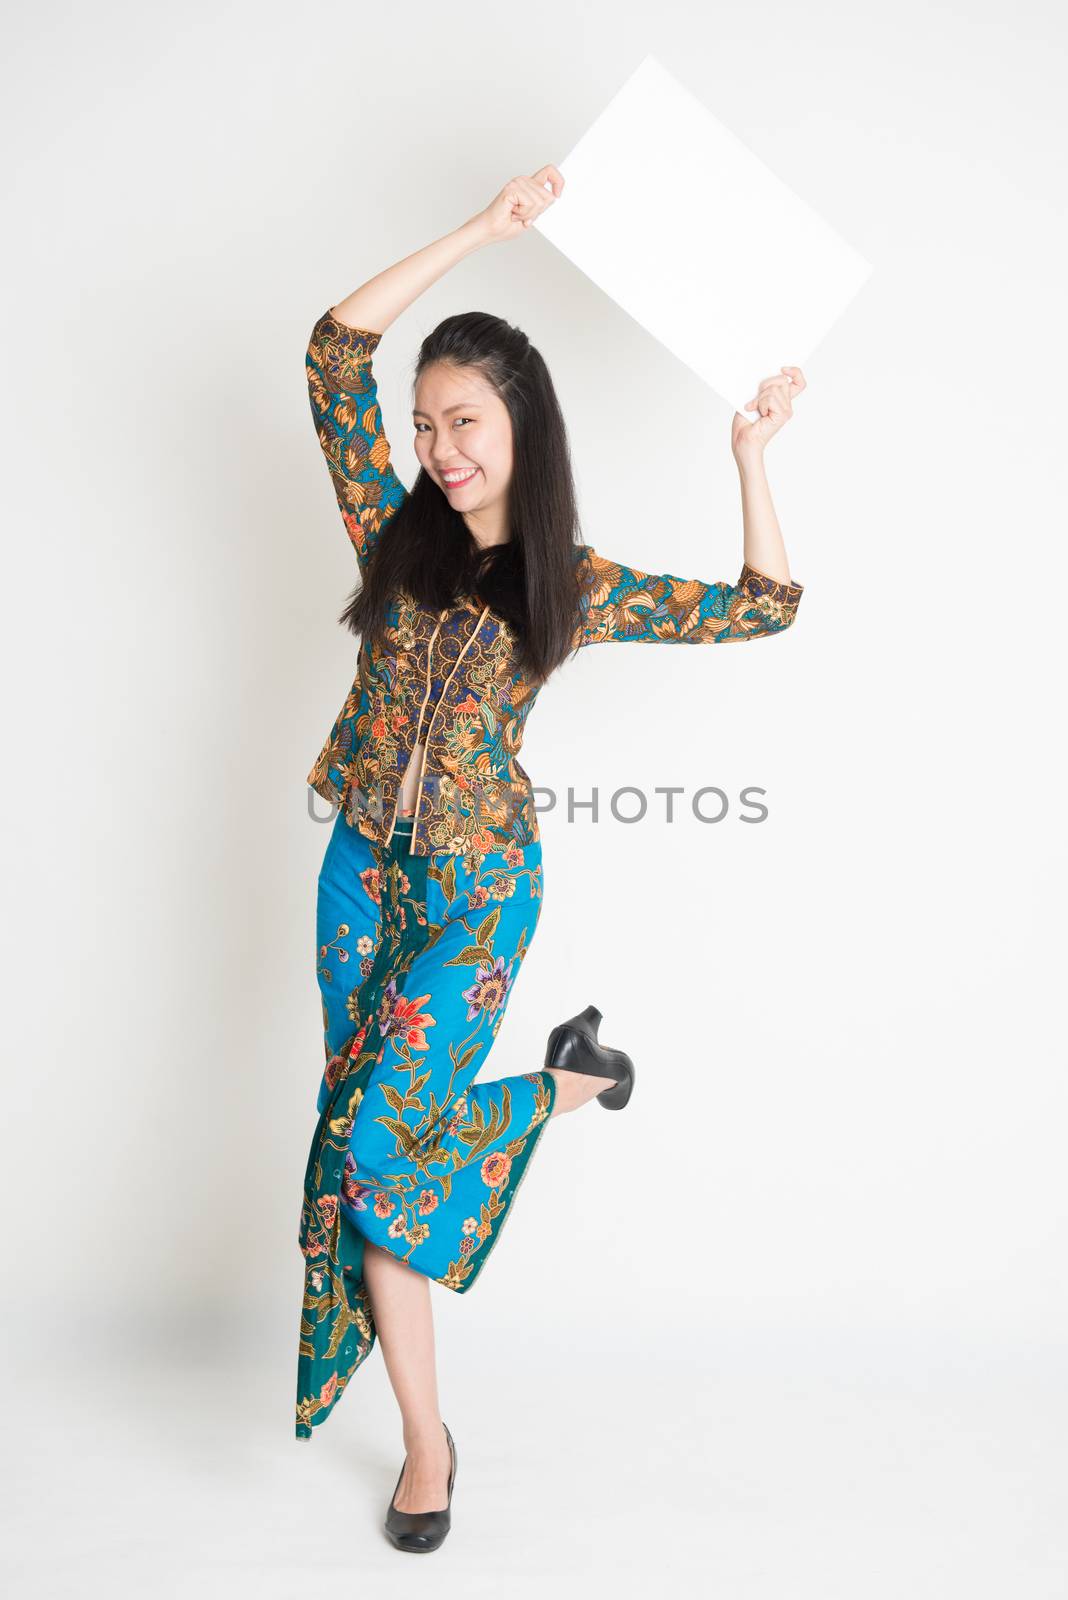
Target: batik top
452,677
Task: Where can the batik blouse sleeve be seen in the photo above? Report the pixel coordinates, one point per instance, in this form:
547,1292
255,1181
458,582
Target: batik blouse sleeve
344,404
622,604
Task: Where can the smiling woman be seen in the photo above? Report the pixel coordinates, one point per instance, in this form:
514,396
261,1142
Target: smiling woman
463,439
492,511
474,588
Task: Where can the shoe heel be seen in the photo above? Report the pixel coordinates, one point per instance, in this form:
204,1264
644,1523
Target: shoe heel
573,1046
616,1097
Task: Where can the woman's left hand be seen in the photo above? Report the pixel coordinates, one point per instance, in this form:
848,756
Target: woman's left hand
774,401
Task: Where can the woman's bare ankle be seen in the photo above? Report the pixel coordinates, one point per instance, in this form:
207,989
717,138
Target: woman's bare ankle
425,1437
574,1089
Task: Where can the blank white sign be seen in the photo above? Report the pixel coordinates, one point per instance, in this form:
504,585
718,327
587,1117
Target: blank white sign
697,239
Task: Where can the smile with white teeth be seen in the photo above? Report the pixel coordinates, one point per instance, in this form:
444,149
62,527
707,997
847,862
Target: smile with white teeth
458,477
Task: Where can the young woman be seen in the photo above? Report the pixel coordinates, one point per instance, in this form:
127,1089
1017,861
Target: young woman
473,590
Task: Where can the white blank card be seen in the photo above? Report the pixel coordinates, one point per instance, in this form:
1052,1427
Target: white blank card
670,214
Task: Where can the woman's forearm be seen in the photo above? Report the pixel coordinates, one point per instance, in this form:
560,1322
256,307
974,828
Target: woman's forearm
381,299
762,536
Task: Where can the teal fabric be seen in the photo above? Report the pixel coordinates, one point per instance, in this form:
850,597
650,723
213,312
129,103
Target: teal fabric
417,959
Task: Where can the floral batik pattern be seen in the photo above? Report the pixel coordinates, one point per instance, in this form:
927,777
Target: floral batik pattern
417,957
454,676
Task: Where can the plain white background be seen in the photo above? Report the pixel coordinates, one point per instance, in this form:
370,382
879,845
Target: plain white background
795,1324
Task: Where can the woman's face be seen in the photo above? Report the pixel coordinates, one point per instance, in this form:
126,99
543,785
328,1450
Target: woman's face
463,430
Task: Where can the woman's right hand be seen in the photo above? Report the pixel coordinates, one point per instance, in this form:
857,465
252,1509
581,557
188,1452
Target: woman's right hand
521,200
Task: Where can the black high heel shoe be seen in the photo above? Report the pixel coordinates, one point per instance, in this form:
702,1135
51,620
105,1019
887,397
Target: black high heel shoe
421,1530
574,1046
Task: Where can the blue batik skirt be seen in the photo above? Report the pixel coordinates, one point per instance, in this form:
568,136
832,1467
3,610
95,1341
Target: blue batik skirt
417,958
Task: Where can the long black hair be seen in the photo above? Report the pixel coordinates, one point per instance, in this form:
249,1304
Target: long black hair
426,548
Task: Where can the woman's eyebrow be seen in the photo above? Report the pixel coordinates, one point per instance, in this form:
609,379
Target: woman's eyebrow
464,405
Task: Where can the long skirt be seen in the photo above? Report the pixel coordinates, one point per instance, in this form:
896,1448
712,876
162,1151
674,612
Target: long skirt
417,959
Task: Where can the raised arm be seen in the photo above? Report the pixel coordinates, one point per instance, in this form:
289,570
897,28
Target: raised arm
348,420
624,605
